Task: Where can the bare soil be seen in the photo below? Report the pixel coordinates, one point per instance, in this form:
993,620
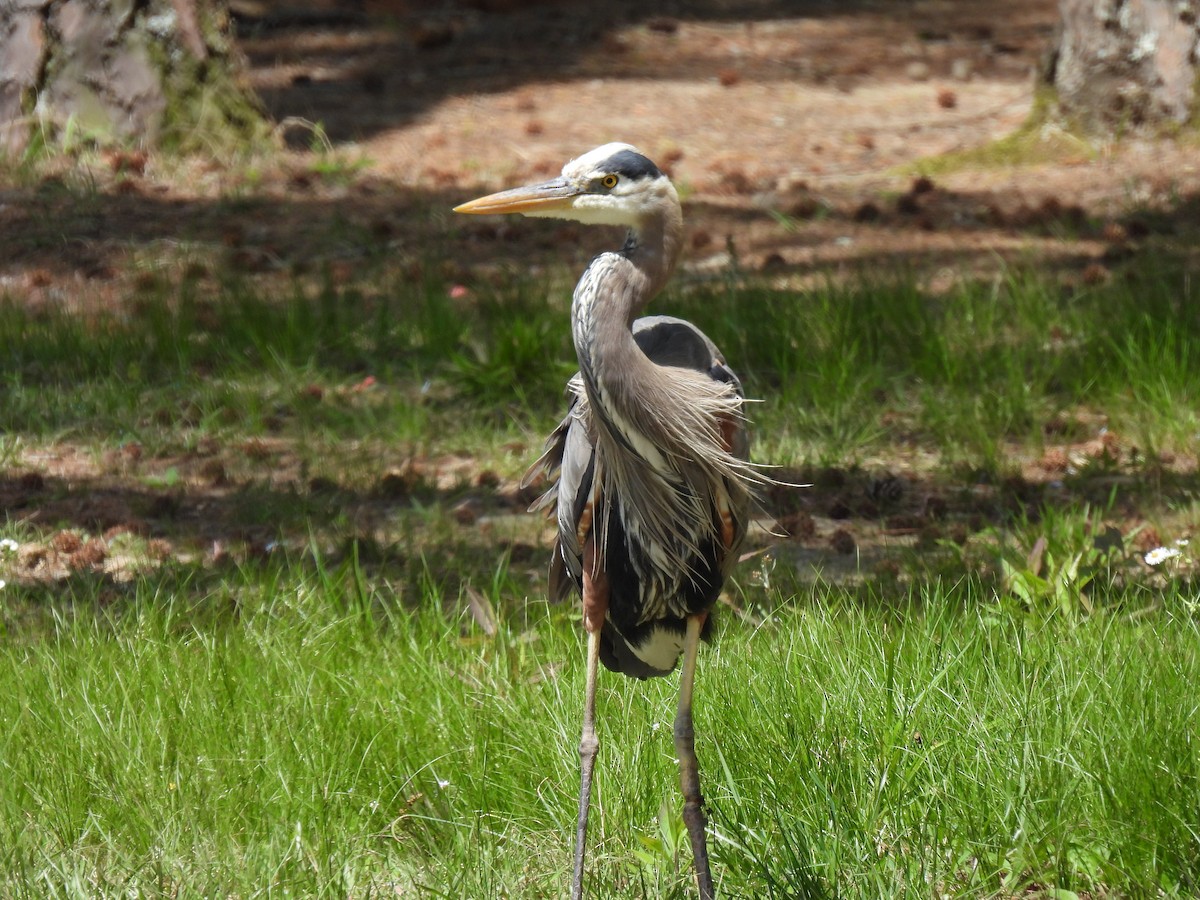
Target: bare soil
818,112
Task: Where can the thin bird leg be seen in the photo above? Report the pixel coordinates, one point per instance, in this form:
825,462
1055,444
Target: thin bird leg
689,769
595,606
588,746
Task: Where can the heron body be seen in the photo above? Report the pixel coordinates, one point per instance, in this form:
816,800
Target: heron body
669,540
650,480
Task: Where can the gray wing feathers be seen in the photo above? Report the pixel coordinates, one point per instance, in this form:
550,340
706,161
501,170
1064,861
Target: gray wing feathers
669,341
569,454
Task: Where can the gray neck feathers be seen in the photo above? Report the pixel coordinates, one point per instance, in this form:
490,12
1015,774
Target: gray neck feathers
653,247
615,289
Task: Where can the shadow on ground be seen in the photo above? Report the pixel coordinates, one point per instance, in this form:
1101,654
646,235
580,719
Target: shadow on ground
55,229
850,522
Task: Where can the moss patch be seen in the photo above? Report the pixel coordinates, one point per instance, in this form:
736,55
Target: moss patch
207,108
1043,138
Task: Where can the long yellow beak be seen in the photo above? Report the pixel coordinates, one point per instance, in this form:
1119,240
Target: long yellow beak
543,198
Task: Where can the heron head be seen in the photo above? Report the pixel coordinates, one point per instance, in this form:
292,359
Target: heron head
611,185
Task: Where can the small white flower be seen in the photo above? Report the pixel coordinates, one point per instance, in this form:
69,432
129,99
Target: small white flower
8,545
1182,542
1161,555
443,783
2,584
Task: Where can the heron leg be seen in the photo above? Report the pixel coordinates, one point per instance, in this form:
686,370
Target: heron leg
595,606
689,769
588,745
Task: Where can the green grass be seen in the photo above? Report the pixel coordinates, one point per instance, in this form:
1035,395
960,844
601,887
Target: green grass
844,371
293,729
206,358
297,700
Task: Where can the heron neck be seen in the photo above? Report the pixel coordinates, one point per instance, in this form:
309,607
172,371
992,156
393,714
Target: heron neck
616,289
613,292
653,248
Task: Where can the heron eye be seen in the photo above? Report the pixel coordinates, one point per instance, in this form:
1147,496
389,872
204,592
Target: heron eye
609,181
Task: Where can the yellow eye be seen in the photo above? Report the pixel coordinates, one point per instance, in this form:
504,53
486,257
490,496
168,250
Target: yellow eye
609,181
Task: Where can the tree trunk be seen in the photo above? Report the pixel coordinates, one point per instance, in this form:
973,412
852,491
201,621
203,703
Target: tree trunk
1127,63
119,71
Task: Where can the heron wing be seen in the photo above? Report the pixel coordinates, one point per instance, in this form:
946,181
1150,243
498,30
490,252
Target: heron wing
569,457
669,341
677,342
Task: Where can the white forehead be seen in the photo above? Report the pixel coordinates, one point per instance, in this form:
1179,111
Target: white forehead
587,163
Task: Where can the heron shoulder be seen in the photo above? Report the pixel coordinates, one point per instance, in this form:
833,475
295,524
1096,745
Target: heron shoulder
670,341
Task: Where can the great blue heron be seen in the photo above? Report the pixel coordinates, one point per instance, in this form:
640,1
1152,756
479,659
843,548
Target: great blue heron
653,487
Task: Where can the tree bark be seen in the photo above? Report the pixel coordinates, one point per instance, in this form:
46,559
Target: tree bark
119,71
1125,64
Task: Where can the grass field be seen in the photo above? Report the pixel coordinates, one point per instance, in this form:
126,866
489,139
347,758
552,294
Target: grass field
321,741
307,652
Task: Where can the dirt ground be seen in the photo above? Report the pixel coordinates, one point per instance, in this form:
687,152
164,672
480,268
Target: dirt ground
816,110
796,131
